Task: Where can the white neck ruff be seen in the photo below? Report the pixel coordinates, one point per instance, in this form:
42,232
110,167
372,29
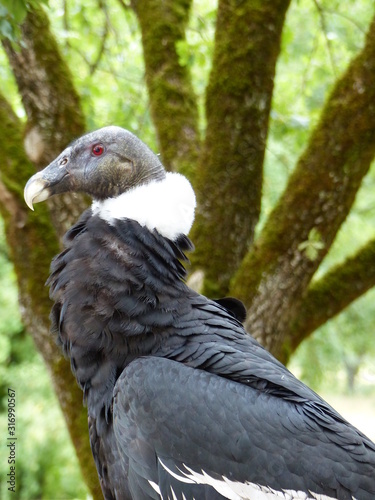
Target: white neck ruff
167,206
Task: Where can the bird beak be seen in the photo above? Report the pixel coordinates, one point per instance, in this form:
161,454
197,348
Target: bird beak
36,190
42,185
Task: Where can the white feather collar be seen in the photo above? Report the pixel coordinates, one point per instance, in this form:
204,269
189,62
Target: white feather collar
167,205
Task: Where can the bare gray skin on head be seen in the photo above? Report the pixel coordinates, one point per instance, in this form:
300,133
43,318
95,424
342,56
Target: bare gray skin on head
123,162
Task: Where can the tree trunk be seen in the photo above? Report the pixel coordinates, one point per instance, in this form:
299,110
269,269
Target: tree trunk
54,119
238,103
54,114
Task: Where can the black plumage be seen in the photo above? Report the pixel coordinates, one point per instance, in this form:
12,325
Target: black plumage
182,402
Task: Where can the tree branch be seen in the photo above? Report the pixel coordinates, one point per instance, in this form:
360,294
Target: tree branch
94,65
173,104
323,25
238,102
276,272
329,295
343,16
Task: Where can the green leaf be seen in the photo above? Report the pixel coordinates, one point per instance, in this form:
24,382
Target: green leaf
312,245
17,9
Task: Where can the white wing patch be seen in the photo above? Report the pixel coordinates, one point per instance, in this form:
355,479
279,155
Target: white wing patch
234,490
167,205
154,486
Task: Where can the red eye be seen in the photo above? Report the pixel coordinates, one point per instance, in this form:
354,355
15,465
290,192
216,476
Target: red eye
98,149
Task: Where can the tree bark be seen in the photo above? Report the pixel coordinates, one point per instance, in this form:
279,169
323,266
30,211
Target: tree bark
54,119
238,102
173,103
277,271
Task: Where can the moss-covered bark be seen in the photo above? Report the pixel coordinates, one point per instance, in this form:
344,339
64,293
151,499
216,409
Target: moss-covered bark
172,100
238,102
329,295
277,271
52,105
54,118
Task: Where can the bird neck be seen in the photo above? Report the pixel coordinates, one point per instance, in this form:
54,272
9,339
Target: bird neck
166,205
117,288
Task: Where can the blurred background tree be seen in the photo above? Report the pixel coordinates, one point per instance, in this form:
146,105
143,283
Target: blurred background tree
268,108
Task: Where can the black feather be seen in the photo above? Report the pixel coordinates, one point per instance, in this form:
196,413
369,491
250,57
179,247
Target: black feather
173,382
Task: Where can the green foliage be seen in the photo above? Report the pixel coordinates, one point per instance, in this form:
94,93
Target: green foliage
46,464
12,14
108,67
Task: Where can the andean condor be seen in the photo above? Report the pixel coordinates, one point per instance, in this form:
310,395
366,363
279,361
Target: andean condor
182,402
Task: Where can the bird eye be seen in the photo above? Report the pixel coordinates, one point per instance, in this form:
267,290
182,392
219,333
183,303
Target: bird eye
98,149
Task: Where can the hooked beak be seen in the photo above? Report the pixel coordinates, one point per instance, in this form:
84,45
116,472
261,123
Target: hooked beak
41,186
36,190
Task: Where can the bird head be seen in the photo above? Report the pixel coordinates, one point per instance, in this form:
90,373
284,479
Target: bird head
104,164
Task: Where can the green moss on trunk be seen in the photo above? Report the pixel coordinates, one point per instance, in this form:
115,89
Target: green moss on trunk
238,101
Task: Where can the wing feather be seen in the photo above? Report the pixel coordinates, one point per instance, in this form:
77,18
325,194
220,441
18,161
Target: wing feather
202,435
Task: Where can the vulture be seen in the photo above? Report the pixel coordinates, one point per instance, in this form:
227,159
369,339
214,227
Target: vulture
182,402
